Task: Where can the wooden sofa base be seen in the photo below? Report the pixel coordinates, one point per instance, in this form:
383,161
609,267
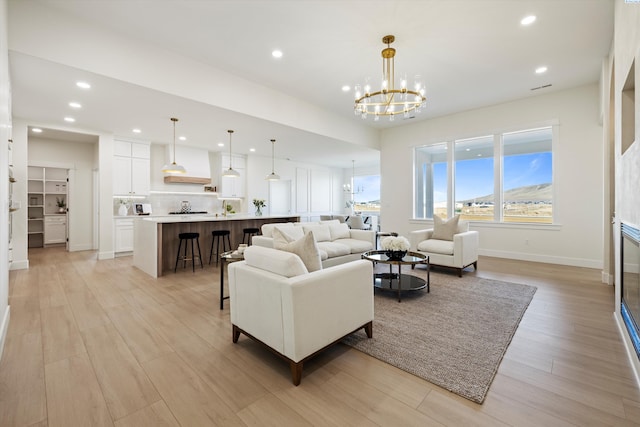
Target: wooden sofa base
296,367
475,267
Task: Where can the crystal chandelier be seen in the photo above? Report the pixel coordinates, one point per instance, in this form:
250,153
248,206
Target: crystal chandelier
347,187
389,101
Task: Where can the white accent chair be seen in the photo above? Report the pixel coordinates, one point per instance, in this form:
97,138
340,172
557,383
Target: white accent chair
296,314
459,253
357,222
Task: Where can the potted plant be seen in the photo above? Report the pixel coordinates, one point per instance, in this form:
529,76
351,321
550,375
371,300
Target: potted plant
259,204
396,247
61,204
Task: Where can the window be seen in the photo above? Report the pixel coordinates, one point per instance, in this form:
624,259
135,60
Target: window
474,183
527,176
431,181
367,194
473,176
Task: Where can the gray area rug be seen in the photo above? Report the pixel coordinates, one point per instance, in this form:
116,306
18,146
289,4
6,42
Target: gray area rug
454,337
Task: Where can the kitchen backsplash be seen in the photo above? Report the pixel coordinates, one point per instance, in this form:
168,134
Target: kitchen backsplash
162,204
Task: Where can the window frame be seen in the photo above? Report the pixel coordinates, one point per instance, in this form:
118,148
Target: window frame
498,153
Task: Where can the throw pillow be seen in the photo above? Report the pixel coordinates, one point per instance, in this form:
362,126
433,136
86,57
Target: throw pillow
444,230
320,232
305,247
339,231
291,234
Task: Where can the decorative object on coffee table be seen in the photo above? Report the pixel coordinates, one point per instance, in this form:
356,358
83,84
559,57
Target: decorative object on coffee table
396,247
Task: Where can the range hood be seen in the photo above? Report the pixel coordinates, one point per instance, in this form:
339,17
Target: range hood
194,160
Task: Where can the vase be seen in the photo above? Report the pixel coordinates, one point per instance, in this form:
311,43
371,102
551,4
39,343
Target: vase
395,255
258,212
122,210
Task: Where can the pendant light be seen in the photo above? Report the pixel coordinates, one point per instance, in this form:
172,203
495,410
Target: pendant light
272,176
173,167
230,173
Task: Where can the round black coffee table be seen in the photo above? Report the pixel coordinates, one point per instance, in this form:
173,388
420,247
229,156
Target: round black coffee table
398,282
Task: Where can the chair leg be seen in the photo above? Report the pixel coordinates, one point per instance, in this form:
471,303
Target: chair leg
475,266
459,272
296,372
177,257
368,329
229,242
193,258
199,253
213,239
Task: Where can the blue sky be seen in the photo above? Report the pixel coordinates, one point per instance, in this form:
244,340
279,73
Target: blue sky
474,178
371,185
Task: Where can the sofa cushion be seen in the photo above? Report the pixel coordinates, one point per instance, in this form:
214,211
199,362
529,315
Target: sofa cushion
435,246
339,231
356,246
320,232
291,233
267,229
444,230
334,249
305,247
279,262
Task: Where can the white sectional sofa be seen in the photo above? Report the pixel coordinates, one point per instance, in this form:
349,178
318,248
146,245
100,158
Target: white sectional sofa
337,243
276,301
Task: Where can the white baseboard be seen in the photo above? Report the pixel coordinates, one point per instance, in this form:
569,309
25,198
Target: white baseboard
607,278
20,265
83,247
4,327
549,259
105,255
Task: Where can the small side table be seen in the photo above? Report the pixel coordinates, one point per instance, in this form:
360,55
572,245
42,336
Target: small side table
227,258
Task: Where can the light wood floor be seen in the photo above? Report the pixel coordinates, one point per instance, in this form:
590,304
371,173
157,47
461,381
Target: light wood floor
100,343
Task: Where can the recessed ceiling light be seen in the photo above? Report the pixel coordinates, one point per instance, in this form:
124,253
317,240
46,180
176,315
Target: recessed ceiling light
182,138
69,119
528,20
75,105
36,130
136,130
83,85
252,150
346,88
541,70
220,144
276,53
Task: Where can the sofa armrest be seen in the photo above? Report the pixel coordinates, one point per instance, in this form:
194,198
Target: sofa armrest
465,247
263,241
366,235
320,307
417,236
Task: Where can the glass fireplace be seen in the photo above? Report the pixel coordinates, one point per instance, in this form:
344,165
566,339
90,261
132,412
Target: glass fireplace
630,288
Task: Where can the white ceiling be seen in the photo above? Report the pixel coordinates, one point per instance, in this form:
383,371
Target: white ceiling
470,53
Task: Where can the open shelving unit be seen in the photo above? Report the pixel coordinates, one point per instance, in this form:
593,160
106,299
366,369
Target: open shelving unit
45,187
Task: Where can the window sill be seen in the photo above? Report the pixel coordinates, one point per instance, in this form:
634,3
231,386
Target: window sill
498,225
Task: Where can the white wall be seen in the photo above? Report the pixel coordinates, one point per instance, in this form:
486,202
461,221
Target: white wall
5,123
79,158
576,238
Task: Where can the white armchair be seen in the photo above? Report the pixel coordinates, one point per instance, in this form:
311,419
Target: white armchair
459,253
296,314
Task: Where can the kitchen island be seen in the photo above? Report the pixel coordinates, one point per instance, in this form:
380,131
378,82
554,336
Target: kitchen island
155,239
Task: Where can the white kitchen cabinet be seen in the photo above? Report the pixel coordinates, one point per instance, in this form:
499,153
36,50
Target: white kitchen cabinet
55,229
131,168
123,235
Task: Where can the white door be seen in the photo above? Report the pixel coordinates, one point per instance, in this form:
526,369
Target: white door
280,197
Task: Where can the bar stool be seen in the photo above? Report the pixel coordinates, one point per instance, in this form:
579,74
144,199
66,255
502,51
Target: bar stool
188,237
248,232
218,237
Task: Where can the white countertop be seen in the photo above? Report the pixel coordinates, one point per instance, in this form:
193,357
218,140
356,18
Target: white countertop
167,219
